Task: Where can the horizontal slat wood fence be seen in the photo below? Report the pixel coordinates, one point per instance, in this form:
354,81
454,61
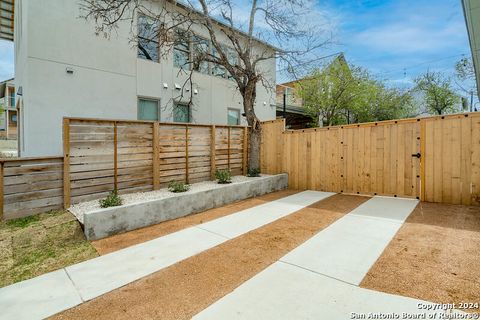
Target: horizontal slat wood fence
377,158
130,156
30,185
136,156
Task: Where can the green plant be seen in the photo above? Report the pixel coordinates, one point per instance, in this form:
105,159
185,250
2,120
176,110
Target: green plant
253,172
223,176
178,186
112,200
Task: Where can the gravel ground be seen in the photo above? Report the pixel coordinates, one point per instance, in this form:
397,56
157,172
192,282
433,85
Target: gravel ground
435,256
81,208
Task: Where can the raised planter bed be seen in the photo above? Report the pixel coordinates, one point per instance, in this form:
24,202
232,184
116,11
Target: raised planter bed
137,213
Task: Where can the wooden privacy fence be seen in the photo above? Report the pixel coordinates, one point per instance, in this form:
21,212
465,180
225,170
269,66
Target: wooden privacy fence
435,159
130,156
134,156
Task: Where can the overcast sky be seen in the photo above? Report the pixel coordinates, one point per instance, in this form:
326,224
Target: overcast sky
395,39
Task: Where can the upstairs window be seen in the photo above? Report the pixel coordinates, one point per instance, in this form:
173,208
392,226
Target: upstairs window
217,69
148,42
181,50
201,48
11,97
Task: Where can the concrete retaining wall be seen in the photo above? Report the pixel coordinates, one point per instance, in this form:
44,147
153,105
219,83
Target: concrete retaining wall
106,222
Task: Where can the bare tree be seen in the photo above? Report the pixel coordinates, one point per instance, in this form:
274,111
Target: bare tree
273,21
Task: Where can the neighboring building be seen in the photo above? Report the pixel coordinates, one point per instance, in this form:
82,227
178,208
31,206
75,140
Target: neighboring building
290,107
471,9
8,116
63,69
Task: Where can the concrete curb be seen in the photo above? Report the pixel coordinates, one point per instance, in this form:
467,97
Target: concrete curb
106,222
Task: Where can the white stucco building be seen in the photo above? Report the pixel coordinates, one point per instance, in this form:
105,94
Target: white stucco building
63,69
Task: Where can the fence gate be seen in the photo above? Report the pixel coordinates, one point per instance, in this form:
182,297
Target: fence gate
382,159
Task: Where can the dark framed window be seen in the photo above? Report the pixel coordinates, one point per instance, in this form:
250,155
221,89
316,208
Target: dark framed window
181,113
181,49
148,41
148,109
200,48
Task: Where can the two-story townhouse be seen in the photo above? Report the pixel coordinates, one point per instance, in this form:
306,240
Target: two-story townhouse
63,69
8,115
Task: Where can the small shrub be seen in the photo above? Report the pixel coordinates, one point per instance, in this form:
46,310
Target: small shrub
112,200
223,176
253,172
177,186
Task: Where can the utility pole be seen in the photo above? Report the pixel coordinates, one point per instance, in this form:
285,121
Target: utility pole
471,100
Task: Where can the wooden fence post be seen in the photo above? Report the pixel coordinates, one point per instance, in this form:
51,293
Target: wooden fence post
66,163
212,152
115,156
186,154
156,157
1,190
245,150
228,150
422,159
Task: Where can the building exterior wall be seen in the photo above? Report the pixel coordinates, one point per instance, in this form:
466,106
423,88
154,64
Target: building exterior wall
107,77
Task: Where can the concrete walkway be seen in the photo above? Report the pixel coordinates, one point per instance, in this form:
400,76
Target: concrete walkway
54,292
319,279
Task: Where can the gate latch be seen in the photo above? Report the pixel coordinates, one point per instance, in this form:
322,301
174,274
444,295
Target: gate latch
418,155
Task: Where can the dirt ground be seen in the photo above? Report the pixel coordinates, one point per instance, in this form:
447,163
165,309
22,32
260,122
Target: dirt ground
435,256
128,239
182,290
39,244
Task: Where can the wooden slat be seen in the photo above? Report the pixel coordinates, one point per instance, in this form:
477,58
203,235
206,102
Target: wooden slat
156,157
213,166
1,191
66,163
115,156
186,155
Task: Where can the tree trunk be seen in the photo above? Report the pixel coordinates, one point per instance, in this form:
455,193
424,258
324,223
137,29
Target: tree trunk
255,130
254,154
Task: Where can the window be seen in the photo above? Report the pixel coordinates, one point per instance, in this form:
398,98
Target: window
200,50
11,99
232,58
148,43
181,113
218,70
181,50
148,109
233,117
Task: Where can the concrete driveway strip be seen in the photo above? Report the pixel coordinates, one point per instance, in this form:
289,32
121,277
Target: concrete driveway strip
348,248
283,291
234,225
39,297
92,278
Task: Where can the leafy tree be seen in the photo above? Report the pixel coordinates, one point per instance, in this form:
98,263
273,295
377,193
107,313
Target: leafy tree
439,96
327,92
279,22
341,94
